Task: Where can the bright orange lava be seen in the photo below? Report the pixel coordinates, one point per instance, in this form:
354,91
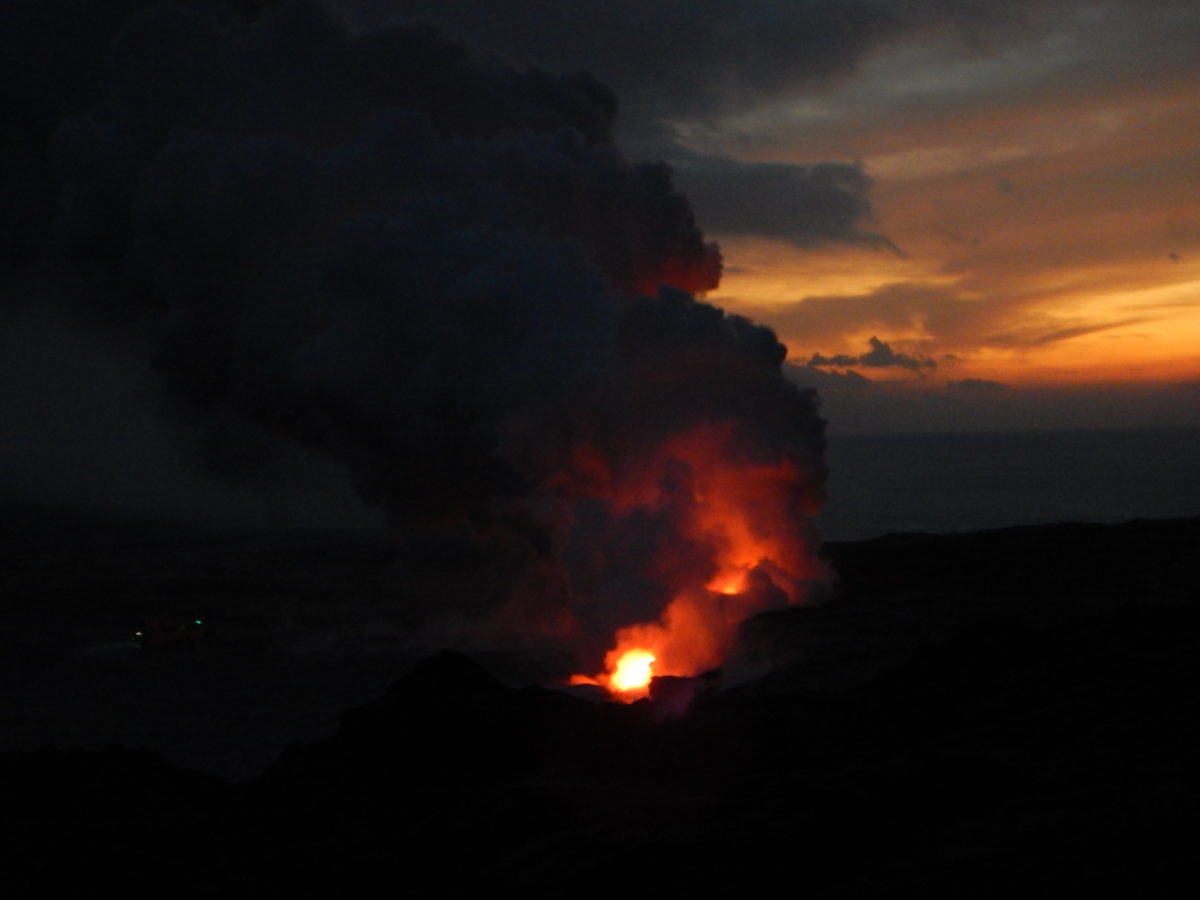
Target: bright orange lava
629,674
743,546
633,671
729,583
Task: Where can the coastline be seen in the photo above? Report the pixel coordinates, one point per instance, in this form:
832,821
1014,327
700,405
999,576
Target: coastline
999,701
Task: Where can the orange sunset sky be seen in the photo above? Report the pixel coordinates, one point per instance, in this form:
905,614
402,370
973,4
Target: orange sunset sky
1010,200
1051,236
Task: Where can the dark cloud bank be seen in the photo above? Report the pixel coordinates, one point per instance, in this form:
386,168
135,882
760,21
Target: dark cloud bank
431,268
674,59
674,64
803,205
881,355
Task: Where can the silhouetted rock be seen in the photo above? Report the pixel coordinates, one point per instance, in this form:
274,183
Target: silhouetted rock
672,695
446,676
1001,748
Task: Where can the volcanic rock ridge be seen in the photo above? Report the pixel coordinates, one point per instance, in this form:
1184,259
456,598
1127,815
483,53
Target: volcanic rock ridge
1014,753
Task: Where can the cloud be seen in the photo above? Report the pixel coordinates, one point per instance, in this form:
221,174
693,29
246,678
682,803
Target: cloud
942,310
1033,337
881,355
683,67
318,227
954,323
90,424
701,60
861,406
433,269
809,375
804,205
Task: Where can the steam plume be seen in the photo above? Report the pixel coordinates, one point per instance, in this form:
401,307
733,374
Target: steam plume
440,272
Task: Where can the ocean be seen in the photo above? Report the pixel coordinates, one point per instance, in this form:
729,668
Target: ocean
949,483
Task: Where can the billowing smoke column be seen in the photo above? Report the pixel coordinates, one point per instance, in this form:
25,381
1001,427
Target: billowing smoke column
442,273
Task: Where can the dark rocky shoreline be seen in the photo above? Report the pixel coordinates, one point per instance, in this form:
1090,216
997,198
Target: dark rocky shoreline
974,714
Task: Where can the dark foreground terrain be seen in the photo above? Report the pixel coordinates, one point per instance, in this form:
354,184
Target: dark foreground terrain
975,715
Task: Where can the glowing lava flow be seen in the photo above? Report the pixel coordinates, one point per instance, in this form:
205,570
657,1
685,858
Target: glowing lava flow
633,671
630,675
741,543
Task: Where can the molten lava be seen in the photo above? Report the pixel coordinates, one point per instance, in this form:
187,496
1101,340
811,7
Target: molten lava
632,672
629,675
740,543
729,583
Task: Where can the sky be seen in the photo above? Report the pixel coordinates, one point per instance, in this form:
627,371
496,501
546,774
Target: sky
333,250
964,215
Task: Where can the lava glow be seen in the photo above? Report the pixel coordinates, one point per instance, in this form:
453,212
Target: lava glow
729,583
740,544
633,671
629,674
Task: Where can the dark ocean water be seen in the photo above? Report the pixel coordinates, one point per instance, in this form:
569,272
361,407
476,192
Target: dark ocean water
947,483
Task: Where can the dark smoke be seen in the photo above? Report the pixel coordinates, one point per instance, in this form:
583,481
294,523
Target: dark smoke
699,59
804,205
435,269
881,355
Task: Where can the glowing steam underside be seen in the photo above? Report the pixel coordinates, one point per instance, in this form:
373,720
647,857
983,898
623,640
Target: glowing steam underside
743,524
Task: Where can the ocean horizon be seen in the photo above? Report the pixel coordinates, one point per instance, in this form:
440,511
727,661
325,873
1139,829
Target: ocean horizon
956,482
